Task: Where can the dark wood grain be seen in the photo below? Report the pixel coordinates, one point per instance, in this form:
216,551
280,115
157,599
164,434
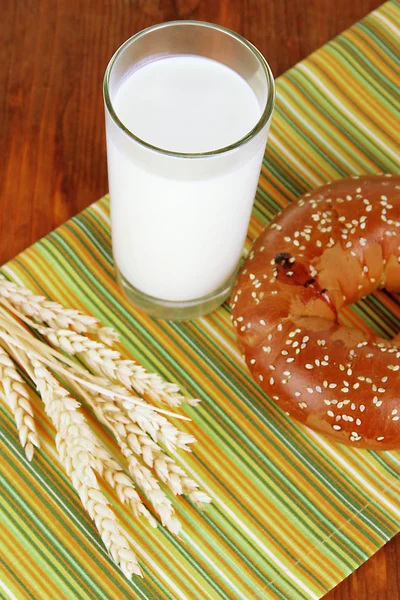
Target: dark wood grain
52,161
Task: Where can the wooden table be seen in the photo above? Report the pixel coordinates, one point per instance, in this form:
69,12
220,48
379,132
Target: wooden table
52,161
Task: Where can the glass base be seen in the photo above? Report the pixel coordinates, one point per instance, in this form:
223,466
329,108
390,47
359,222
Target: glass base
171,310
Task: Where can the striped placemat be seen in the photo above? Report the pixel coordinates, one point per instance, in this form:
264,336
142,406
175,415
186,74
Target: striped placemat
292,514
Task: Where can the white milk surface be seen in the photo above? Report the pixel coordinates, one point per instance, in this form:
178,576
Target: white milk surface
180,236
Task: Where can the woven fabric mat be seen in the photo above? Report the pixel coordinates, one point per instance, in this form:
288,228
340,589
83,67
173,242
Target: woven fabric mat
292,514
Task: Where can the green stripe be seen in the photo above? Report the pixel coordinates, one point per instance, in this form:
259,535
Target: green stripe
339,536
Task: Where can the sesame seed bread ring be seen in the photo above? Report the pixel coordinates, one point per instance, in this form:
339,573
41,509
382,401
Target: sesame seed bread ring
325,251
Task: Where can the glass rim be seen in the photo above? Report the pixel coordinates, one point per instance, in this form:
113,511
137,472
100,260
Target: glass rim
265,115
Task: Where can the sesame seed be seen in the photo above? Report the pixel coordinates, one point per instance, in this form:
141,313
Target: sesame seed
337,427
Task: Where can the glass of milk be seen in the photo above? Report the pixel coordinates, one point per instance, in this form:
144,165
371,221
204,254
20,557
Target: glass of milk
188,107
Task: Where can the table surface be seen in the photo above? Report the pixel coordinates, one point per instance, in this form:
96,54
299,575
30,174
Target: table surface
53,163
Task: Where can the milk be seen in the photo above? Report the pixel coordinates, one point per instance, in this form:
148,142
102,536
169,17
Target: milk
179,223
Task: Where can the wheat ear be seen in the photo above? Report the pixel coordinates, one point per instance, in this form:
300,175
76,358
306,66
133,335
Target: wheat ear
23,340
103,359
115,416
44,311
106,363
79,452
17,395
109,363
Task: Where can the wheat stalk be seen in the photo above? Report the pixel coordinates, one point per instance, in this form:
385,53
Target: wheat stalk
109,384
16,393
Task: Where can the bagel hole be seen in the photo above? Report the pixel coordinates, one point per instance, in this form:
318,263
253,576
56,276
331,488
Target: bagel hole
377,313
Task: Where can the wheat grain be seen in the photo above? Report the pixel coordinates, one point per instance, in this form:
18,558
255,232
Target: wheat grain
118,480
17,395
